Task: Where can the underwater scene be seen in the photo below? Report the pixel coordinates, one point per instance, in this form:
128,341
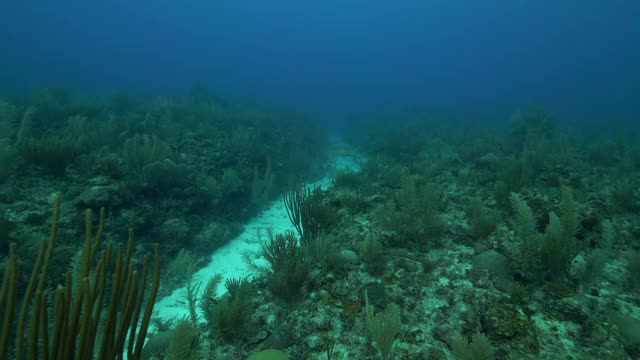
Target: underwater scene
344,180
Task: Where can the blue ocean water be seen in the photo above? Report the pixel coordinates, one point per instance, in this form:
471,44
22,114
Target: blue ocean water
578,60
481,202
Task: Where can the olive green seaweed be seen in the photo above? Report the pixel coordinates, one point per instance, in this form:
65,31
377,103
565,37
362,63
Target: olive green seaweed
478,349
308,213
289,265
382,327
185,342
529,245
551,251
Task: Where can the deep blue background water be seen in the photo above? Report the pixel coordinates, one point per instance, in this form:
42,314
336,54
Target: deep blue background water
579,59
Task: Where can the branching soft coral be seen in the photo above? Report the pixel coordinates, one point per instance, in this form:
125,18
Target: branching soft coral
90,319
